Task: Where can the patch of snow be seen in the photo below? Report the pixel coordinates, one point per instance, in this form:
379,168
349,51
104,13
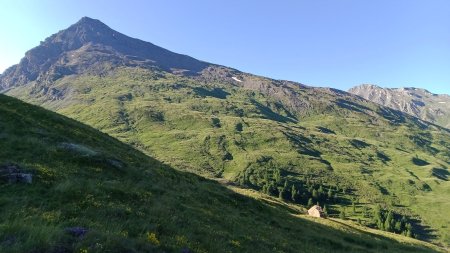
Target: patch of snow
441,102
236,79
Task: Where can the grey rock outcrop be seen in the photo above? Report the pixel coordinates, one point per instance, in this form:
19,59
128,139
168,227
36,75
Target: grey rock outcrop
415,101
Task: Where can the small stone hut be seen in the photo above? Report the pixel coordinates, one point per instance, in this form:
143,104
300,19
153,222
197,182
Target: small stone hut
316,211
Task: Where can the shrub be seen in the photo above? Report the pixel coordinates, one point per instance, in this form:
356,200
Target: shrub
151,237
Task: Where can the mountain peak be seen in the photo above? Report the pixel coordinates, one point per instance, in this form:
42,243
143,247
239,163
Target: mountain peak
86,30
91,46
88,20
91,24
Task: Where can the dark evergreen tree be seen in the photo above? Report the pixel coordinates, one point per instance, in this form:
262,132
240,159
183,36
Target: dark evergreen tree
320,191
388,223
315,194
403,222
264,189
280,194
408,229
239,127
310,202
294,194
378,217
398,226
342,213
277,176
272,189
409,233
266,177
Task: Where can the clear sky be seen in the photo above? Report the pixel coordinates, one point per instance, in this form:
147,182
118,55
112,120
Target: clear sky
333,43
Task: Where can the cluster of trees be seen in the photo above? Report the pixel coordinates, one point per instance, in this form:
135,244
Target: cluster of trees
305,192
389,221
308,192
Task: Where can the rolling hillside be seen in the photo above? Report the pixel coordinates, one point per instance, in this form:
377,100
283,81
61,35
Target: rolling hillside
91,193
303,145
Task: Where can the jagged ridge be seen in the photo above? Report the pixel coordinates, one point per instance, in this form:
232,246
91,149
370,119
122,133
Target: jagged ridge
414,101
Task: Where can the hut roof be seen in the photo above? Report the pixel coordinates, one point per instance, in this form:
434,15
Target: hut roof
316,207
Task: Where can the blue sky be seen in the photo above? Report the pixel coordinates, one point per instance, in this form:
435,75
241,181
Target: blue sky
321,43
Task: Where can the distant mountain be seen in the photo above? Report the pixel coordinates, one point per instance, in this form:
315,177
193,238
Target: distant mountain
300,144
414,101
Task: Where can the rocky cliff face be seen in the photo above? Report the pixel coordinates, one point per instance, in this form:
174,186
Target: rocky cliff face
414,101
89,46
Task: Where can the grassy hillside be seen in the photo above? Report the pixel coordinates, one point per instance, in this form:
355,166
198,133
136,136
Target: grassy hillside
91,193
362,160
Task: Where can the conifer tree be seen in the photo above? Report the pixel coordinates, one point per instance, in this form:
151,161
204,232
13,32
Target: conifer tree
398,227
310,202
330,194
277,176
320,190
325,210
408,228
315,194
294,194
388,222
264,189
342,213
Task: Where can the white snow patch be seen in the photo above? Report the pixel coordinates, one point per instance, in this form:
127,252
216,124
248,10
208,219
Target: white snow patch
236,79
441,102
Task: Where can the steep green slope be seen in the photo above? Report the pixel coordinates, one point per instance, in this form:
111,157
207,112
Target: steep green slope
360,152
91,193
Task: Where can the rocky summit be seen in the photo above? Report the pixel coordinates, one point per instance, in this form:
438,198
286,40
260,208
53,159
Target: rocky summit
89,46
